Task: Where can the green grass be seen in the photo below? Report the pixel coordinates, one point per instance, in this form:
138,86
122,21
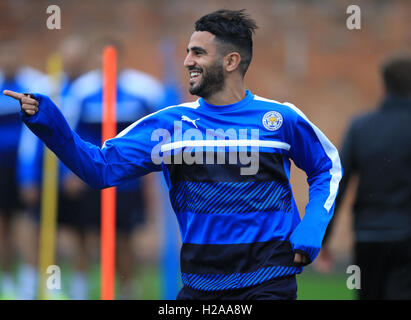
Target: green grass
147,284
319,286
311,285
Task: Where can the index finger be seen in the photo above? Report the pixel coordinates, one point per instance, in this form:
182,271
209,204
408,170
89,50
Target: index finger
15,95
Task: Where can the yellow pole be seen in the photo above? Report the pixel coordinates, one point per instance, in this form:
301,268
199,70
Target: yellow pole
49,201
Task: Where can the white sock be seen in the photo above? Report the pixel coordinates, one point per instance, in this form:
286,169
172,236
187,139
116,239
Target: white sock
78,286
27,282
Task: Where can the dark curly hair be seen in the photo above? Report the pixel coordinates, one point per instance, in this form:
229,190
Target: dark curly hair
233,31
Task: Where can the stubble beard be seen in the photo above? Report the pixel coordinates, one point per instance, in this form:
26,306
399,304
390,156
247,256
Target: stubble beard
212,81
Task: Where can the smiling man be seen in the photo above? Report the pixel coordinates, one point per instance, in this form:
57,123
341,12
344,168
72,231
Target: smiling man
242,233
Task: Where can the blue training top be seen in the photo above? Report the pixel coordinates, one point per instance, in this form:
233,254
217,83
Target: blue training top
228,172
31,150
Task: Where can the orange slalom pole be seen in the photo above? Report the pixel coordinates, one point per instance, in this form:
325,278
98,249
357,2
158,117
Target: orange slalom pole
108,196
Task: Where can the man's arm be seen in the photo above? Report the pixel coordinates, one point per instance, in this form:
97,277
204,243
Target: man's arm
315,154
348,165
325,259
125,157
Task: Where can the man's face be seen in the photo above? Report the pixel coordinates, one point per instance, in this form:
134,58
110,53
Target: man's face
204,64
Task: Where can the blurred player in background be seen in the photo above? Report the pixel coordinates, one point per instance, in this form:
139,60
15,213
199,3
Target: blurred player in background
73,51
377,149
10,130
13,74
138,94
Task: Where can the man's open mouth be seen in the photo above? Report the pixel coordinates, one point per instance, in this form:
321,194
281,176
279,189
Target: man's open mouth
194,74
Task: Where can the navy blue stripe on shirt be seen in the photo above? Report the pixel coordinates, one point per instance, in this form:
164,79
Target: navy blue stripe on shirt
229,258
230,197
270,167
215,282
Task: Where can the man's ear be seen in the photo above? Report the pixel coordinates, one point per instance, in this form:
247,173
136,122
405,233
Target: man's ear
232,61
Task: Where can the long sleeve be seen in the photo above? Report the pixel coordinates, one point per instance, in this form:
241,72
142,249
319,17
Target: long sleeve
122,158
314,153
30,151
348,165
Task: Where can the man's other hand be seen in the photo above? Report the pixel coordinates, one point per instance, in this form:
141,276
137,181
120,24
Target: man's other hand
300,259
28,104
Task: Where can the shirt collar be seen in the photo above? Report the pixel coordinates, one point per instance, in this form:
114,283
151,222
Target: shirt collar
228,107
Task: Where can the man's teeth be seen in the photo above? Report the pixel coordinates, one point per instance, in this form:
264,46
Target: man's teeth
194,74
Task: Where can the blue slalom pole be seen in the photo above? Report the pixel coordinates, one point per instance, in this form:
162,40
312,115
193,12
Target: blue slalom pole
172,240
170,264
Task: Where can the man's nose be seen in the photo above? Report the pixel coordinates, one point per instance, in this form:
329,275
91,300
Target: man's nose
188,62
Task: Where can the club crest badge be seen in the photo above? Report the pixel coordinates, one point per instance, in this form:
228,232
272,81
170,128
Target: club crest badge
272,120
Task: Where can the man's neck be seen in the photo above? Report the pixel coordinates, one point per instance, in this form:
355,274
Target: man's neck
229,95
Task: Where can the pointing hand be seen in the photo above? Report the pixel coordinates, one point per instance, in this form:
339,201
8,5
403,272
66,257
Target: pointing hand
28,104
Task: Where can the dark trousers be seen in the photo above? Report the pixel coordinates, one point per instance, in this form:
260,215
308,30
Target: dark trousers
284,288
385,270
